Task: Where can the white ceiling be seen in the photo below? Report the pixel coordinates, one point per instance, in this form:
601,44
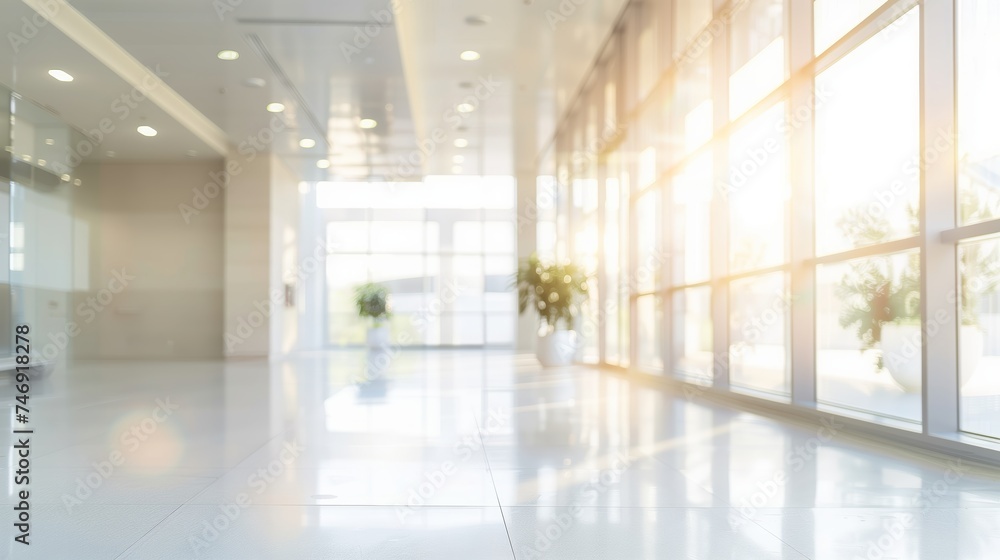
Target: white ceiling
409,78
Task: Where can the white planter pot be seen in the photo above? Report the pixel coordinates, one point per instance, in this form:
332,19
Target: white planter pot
901,354
557,348
378,337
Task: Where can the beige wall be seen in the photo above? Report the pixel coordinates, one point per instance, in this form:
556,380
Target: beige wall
247,261
173,305
261,256
285,260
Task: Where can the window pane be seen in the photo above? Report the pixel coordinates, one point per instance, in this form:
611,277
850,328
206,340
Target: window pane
467,237
467,272
758,191
498,237
834,18
692,106
397,237
758,334
757,52
692,333
646,48
462,329
400,273
500,329
978,110
343,273
647,278
868,335
692,205
691,16
499,192
649,316
867,142
979,336
347,237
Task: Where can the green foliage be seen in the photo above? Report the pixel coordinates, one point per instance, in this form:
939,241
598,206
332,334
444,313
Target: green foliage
873,293
553,290
372,301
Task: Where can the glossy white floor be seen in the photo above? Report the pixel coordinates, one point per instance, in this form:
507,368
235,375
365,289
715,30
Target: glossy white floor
460,455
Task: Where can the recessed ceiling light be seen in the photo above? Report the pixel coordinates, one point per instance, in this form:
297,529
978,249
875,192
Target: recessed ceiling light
275,107
477,20
65,177
26,157
368,123
146,130
110,153
458,159
255,82
192,153
465,108
228,55
323,164
307,143
78,182
60,75
469,56
388,106
41,163
50,142
461,142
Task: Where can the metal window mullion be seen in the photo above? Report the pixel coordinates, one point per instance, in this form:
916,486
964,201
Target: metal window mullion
601,285
719,245
801,145
938,263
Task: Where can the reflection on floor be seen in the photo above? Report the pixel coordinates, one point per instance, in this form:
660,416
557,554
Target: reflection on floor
460,455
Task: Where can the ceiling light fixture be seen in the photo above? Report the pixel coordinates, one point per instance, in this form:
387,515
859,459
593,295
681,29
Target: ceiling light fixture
461,142
110,153
228,55
469,56
50,142
307,143
323,164
368,123
465,108
192,153
275,107
146,131
60,75
477,20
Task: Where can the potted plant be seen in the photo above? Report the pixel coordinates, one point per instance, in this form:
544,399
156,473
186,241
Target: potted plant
883,303
372,301
554,291
979,274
